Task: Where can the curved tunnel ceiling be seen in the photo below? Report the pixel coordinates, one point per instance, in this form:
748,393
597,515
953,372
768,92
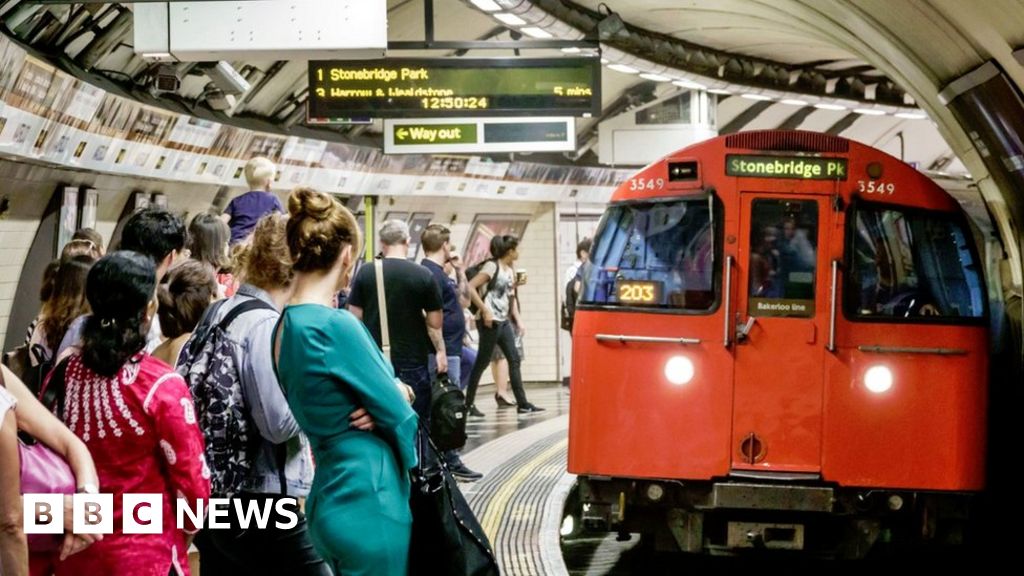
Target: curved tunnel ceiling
915,48
740,27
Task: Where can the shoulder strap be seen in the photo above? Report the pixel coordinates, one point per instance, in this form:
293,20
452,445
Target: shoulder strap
248,305
493,281
206,327
382,304
56,389
203,329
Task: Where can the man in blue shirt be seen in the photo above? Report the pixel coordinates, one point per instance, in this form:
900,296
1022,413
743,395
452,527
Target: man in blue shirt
437,249
245,211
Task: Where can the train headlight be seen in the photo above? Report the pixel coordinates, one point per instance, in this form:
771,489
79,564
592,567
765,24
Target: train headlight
679,370
655,492
878,379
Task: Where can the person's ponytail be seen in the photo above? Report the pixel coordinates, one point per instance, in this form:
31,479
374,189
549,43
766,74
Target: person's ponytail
108,343
119,288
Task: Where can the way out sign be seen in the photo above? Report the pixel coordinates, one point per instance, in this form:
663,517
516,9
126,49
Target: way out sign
479,135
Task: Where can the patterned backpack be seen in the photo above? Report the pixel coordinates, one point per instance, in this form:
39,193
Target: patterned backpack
210,363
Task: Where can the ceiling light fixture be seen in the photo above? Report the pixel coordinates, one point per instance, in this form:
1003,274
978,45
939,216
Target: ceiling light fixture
654,77
536,32
793,102
571,50
486,5
911,115
869,111
623,68
510,19
719,91
689,85
760,97
825,106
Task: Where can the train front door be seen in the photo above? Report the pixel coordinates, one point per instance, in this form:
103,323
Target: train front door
782,304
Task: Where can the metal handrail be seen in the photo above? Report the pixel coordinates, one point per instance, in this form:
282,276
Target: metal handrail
728,301
622,338
912,350
832,308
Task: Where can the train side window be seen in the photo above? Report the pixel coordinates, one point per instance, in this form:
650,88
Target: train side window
909,264
783,257
653,255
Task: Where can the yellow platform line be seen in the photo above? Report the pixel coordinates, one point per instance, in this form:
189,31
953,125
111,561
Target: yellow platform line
496,507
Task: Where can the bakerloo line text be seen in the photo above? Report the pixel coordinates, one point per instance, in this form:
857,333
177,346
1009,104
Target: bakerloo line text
143,513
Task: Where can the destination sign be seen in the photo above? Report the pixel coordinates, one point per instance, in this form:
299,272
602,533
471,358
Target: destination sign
437,135
457,87
797,167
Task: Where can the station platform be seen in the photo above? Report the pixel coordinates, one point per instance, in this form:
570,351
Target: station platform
519,500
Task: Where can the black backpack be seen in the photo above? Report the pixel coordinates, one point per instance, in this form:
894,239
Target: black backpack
20,361
569,305
471,273
210,364
447,414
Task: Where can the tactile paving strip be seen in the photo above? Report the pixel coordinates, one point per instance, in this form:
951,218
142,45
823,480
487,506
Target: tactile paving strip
523,485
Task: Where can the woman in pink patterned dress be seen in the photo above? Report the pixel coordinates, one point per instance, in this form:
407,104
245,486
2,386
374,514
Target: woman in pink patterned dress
136,416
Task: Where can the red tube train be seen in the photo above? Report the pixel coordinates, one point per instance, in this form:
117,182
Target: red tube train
781,343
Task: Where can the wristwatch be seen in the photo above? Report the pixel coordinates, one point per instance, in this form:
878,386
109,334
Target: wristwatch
88,489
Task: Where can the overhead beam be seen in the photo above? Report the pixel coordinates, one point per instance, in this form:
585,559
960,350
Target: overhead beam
745,117
730,67
843,123
796,118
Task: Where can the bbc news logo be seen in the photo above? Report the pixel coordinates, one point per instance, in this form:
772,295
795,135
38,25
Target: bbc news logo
144,513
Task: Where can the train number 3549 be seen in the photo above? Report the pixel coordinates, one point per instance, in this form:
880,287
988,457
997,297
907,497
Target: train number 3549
636,184
873,187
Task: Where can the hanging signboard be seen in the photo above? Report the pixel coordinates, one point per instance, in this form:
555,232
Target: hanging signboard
454,87
479,135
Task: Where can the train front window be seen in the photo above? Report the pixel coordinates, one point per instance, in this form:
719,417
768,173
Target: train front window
653,255
783,257
911,265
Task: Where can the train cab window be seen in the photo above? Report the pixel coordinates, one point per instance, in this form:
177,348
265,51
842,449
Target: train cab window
783,257
653,255
911,265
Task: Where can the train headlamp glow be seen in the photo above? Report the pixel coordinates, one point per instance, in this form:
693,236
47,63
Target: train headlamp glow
655,492
679,370
878,379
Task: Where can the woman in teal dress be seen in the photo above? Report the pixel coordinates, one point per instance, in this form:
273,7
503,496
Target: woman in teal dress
329,366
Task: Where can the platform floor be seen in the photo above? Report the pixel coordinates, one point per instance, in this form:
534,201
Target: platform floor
519,500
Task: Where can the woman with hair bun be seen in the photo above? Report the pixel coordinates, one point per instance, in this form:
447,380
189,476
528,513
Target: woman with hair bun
358,508
136,417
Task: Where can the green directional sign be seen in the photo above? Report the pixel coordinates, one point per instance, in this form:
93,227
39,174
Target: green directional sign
478,135
418,134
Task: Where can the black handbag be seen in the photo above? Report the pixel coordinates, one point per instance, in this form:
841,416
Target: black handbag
446,537
447,414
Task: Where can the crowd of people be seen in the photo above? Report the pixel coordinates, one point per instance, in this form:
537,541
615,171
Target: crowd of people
214,360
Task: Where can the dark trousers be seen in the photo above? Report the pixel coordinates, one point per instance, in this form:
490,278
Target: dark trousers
417,375
502,336
255,552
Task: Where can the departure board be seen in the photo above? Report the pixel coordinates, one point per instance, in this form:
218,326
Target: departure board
453,87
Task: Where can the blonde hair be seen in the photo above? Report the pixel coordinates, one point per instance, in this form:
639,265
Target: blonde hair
318,230
260,173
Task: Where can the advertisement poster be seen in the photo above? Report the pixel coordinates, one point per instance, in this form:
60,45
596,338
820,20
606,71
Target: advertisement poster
417,224
89,206
67,223
195,132
478,246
